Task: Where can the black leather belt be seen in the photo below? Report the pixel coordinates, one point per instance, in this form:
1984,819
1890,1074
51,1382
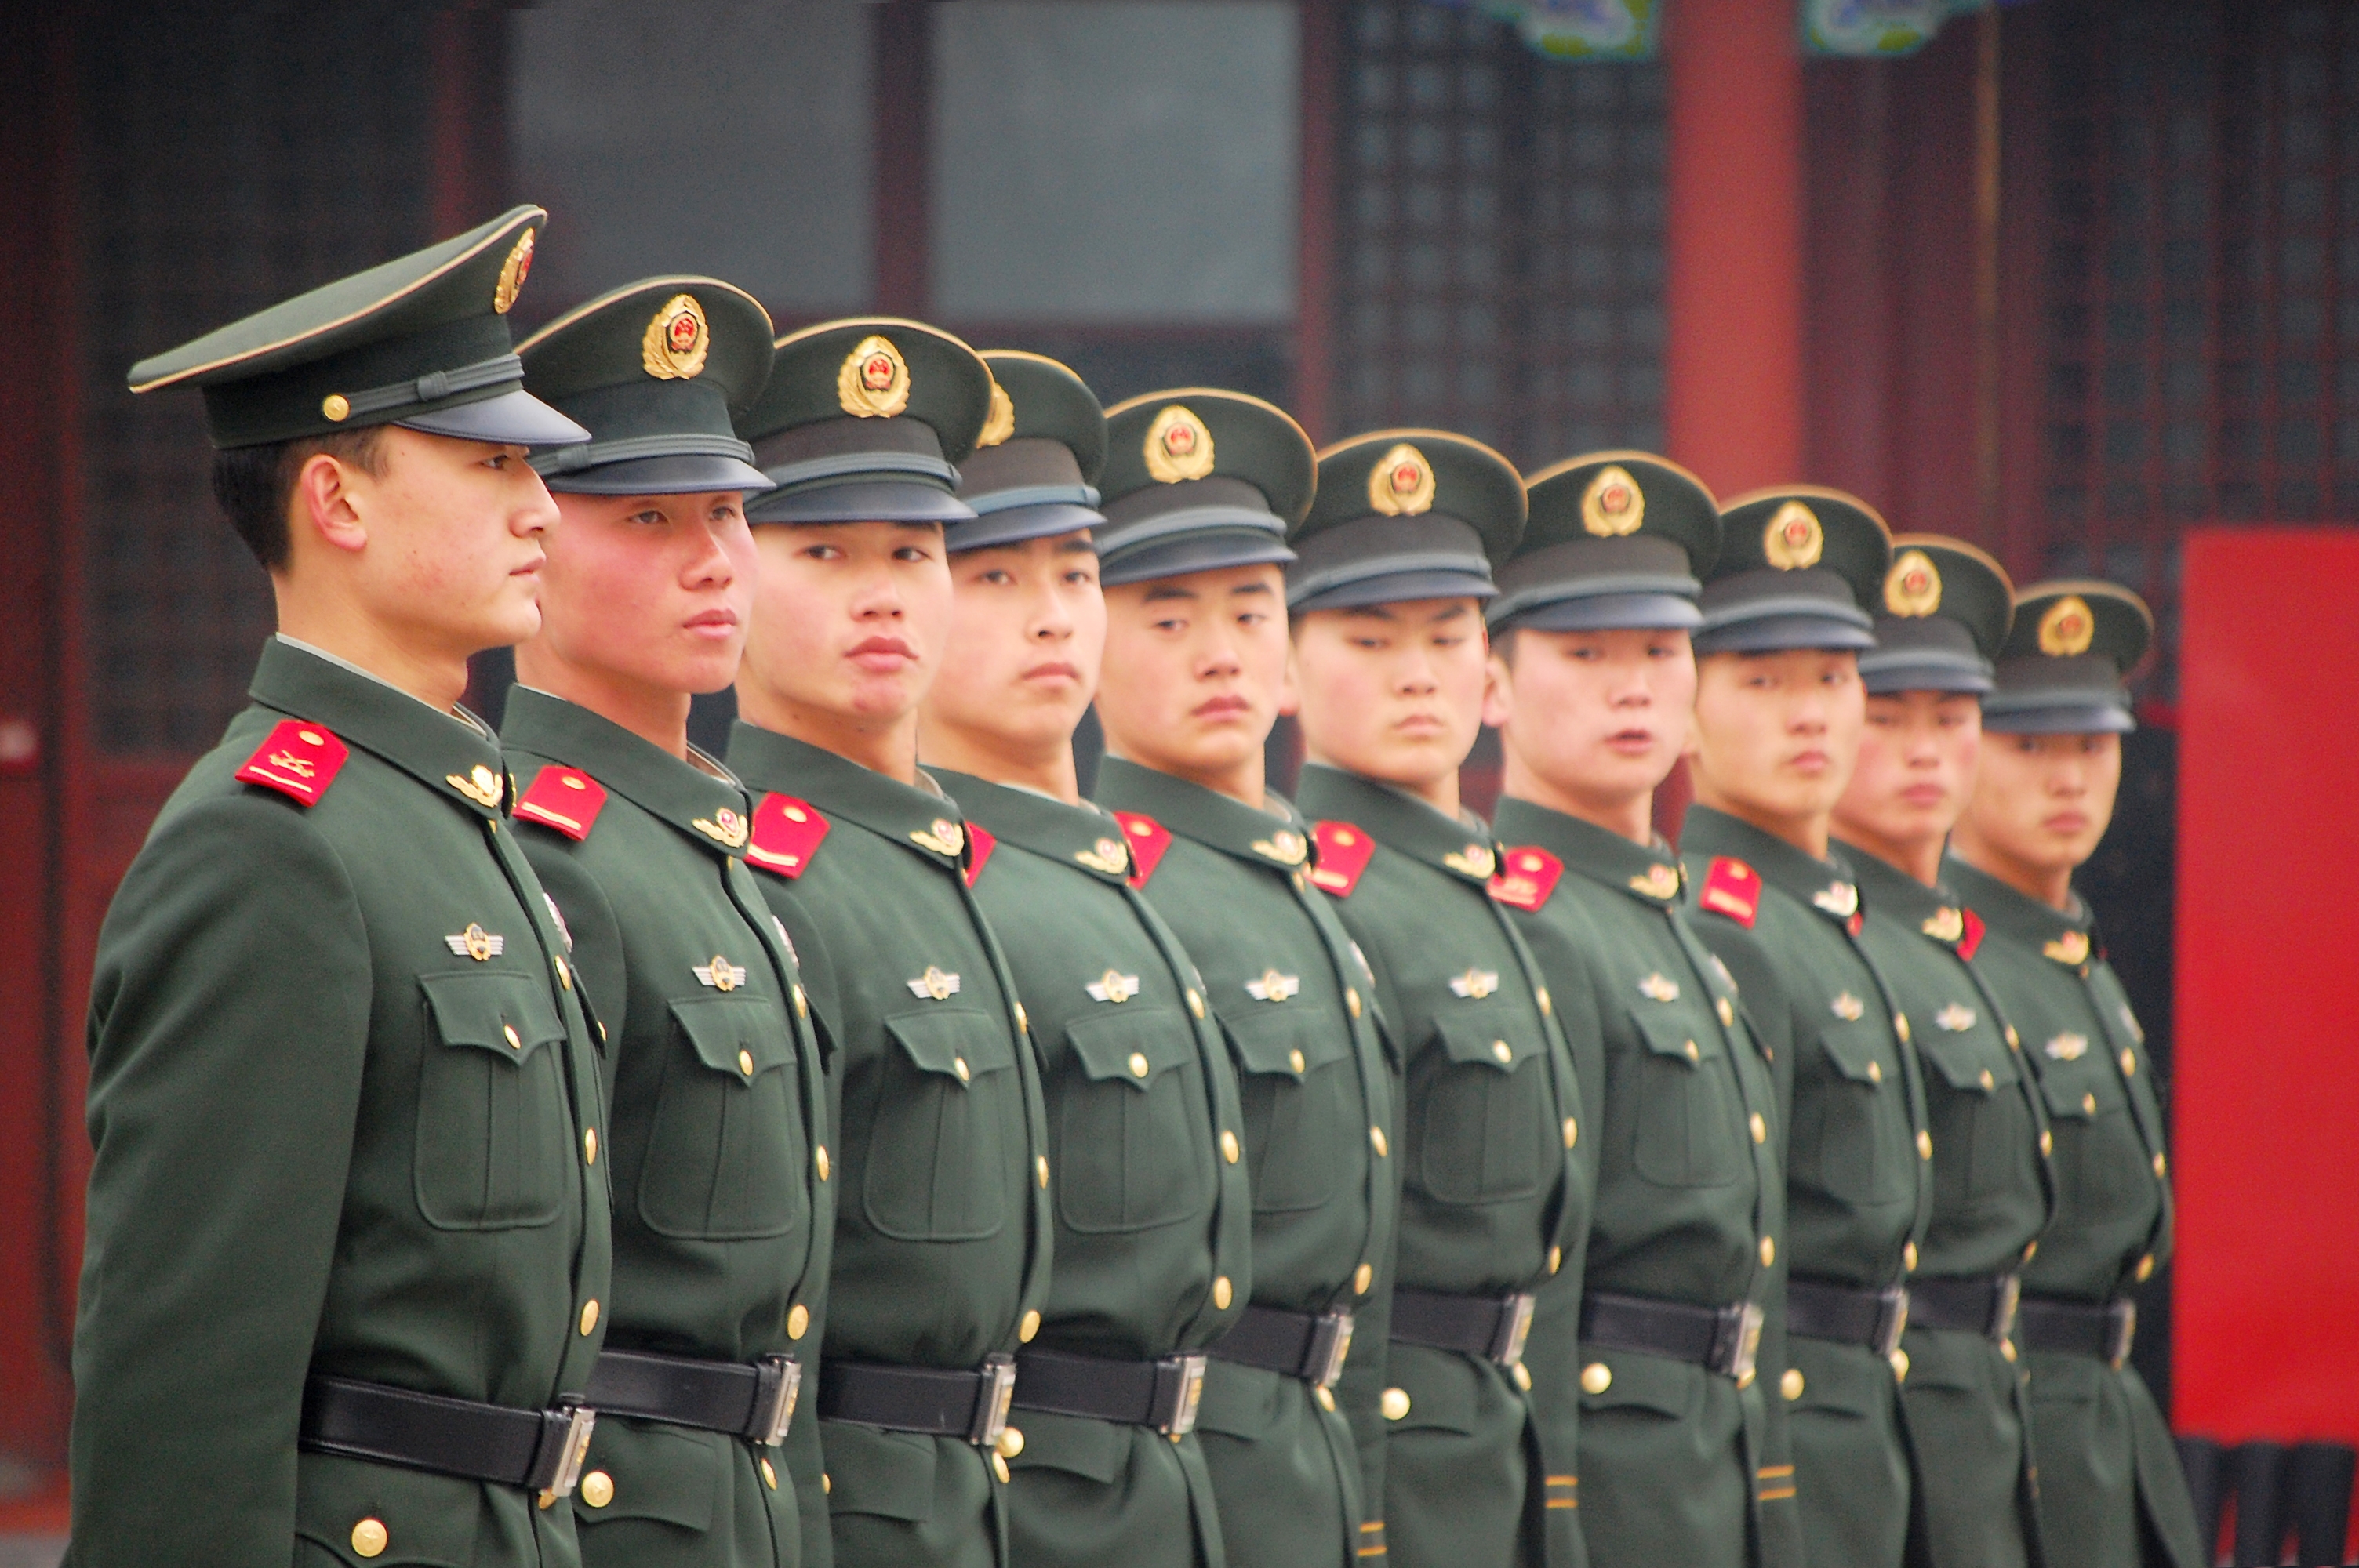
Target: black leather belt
972,1405
2105,1330
1161,1394
1847,1315
1308,1346
540,1451
753,1402
1719,1339
1979,1303
1490,1326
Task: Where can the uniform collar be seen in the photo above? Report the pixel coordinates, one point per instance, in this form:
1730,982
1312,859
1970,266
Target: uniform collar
1400,822
1823,885
2063,936
710,810
1083,836
455,755
1647,872
919,815
1276,839
1893,894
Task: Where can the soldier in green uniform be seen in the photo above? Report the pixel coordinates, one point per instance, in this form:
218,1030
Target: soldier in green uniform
2111,1492
719,1104
1200,486
1944,614
346,1255
1384,600
1153,1217
1777,719
1681,1450
940,1262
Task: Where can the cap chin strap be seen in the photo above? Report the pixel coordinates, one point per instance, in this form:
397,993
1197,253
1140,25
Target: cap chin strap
1031,495
434,386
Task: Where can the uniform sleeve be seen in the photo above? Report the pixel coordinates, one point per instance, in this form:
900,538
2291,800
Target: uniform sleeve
596,940
228,1029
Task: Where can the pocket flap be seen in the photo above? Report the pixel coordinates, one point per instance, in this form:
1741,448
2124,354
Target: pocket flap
1497,1040
509,1015
956,1042
1967,1063
2080,1096
869,1471
430,1520
1857,1050
727,1032
658,1471
1666,1035
1134,1047
1441,1390
1278,1041
1637,1382
1099,1450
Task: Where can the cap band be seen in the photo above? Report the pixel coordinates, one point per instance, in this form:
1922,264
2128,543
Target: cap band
1032,495
1617,585
433,386
1311,585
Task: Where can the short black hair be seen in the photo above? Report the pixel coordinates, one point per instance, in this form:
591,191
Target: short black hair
253,485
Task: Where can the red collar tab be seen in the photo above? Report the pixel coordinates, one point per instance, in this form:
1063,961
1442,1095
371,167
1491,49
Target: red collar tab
566,799
979,846
787,834
1344,850
1973,938
1734,889
1147,839
1527,878
298,759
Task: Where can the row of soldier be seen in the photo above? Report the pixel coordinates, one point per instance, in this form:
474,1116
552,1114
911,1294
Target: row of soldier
557,1145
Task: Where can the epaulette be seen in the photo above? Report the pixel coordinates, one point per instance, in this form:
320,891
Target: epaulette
566,799
1526,878
1345,851
1148,838
979,846
1973,938
1734,889
787,834
297,759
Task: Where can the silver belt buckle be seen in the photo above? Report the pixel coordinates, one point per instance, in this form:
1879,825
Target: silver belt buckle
2122,1332
1514,1326
1738,1354
1331,1342
1179,1387
577,1420
998,1375
779,1384
2010,1295
1891,1319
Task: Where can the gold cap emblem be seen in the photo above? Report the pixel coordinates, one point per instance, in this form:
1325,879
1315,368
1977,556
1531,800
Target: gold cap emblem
1000,423
676,340
2068,627
1793,539
1177,446
512,272
1913,587
1401,485
1613,505
872,383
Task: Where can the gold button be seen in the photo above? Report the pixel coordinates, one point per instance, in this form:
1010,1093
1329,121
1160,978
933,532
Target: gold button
1908,1256
1023,1019
589,1315
339,408
1694,1054
745,1062
1790,1385
1572,1133
2089,1105
802,1003
1325,1397
1195,1004
1228,1146
1029,1328
819,1158
999,1468
958,1066
516,1043
1596,1377
1556,1259
1298,884
1760,1128
2161,1164
769,1475
2006,1349
2129,1063
590,1147
1900,1026
1900,1365
1294,1060
1924,1145
798,1321
2046,1141
1376,1137
1040,1169
1139,1067
370,1537
1352,1000
1547,1007
1360,1278
826,1483
564,975
597,1488
1502,1051
2030,1250
1523,1375
1727,1013
1876,1072
1011,1441
2013,1041
1222,1293
1769,1250
1988,1082
1395,1403
2145,1268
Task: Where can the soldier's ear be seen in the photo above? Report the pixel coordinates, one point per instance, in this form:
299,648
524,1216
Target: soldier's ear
328,502
1499,685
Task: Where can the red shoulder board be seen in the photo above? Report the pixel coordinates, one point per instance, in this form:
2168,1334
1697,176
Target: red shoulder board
1527,878
1148,838
1345,851
1973,936
566,799
298,759
787,834
979,846
1734,889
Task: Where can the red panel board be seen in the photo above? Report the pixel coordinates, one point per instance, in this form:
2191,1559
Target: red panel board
2267,1096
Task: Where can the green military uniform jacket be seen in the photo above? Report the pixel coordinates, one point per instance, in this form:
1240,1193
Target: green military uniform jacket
1858,1194
1495,1189
2108,1475
719,1108
1298,1473
1154,1216
1682,1465
340,1083
942,1217
1992,1197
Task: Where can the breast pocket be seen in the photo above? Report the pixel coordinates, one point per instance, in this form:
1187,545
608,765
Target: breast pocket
1484,1108
1847,1133
2101,1161
1130,1123
494,1142
725,1159
1981,1128
1688,1134
1298,1091
949,1127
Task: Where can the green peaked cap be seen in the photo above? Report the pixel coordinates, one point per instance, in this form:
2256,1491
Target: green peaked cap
654,370
421,341
1799,568
1615,541
1197,479
1032,473
2061,669
865,419
1941,616
1404,515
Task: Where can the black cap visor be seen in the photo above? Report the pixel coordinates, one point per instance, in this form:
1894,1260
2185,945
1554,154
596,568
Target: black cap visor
874,499
510,418
1184,555
1020,524
2018,713
686,474
1924,654
1393,588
